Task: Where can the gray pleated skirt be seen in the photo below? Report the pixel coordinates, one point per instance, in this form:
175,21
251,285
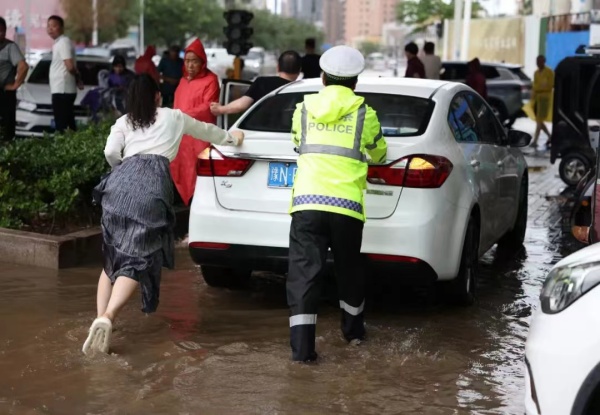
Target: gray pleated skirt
138,222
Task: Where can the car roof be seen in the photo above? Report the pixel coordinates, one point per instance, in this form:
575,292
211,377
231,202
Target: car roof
498,64
82,58
421,88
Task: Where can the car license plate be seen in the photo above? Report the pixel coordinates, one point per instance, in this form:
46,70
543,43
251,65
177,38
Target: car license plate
281,175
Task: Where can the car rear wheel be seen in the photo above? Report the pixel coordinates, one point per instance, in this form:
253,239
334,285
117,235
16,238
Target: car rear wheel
225,277
573,168
461,291
514,238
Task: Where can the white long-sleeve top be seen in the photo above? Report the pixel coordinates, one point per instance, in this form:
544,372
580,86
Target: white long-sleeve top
161,138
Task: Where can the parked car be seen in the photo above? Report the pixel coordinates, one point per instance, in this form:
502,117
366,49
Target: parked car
260,61
507,86
454,184
34,101
562,353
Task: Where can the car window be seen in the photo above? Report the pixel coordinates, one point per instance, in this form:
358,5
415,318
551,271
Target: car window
520,74
88,70
490,72
490,131
454,72
462,122
399,115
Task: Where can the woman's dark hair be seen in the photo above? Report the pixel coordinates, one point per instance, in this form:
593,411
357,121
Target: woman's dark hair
141,101
347,82
119,60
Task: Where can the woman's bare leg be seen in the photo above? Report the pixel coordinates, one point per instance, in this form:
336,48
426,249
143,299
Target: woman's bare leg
121,292
103,295
536,136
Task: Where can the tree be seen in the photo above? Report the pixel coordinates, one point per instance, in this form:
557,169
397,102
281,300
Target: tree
422,13
369,47
114,17
174,21
277,33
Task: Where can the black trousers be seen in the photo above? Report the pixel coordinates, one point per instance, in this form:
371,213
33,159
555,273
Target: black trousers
64,111
8,113
311,235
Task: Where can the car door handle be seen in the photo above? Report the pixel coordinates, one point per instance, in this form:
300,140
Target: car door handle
475,163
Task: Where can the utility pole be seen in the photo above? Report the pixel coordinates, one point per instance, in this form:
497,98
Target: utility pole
95,18
458,5
464,48
142,40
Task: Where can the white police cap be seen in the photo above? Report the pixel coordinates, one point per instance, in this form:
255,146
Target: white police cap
342,62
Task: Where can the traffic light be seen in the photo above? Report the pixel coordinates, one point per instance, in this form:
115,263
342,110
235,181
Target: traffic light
238,32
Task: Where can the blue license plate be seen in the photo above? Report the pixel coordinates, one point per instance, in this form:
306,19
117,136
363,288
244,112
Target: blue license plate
281,174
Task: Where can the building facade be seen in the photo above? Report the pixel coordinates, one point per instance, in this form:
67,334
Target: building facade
334,16
365,19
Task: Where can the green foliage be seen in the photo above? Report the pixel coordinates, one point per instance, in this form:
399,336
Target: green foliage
369,47
170,22
423,13
277,33
50,177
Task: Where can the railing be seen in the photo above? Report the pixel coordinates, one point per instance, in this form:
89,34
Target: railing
569,22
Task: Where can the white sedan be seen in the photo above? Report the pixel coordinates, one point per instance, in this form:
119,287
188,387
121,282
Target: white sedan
454,184
35,115
562,354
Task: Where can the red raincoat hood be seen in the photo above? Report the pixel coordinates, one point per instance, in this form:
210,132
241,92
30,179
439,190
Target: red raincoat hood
198,48
150,52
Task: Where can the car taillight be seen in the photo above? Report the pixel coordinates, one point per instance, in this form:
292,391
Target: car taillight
418,171
214,164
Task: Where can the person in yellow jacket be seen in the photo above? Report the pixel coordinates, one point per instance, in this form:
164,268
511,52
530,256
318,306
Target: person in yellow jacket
541,95
334,132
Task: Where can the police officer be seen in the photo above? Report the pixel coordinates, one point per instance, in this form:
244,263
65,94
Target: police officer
334,131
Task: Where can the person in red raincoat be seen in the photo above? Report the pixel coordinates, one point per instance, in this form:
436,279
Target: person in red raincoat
198,88
476,78
144,64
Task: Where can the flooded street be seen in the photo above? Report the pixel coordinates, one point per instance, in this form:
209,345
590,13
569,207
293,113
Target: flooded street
214,351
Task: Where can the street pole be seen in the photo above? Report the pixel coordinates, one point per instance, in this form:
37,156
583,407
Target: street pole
457,26
142,27
95,17
27,25
464,49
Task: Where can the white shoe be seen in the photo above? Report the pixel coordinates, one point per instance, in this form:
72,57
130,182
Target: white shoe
99,336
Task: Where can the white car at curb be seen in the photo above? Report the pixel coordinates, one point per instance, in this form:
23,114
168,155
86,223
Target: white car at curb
562,354
454,184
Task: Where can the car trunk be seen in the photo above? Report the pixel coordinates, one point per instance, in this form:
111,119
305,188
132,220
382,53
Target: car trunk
266,186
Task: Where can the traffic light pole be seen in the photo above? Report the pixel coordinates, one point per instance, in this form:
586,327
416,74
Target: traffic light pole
237,68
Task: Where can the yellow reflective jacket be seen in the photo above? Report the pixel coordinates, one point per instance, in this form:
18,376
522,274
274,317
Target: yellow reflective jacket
334,131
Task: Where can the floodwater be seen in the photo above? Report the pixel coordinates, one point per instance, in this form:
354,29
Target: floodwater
214,351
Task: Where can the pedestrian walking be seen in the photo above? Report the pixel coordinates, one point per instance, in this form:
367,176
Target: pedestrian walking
64,76
13,70
310,61
431,62
171,71
288,70
334,131
198,88
541,95
476,78
414,66
137,202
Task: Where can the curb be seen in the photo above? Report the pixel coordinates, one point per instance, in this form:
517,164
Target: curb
66,251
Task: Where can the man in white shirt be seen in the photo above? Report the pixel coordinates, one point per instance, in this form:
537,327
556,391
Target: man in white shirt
64,76
432,63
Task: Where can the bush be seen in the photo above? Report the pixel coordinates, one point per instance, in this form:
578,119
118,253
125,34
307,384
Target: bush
51,179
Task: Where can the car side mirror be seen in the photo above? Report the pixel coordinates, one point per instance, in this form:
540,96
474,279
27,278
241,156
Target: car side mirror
518,138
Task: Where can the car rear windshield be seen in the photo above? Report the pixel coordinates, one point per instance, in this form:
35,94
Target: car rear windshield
399,115
88,70
520,74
